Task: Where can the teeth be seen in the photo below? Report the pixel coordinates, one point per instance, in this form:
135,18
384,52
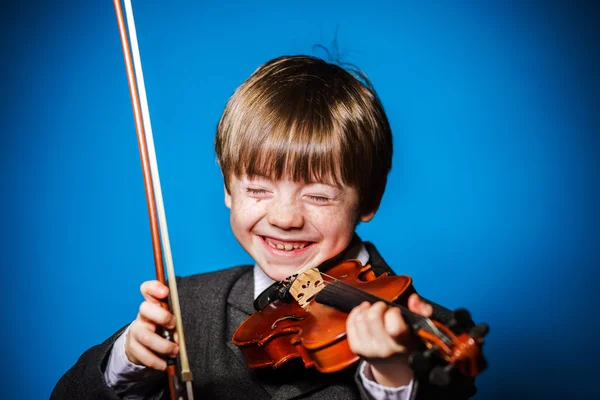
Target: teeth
286,247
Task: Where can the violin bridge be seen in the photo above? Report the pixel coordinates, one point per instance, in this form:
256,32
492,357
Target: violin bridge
306,286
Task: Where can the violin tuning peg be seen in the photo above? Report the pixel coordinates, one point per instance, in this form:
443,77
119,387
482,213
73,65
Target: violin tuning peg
462,321
479,331
463,317
442,376
421,362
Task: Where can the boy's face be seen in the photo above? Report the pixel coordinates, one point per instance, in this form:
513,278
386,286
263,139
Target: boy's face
289,227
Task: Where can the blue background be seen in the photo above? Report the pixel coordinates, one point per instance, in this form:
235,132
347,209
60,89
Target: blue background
492,204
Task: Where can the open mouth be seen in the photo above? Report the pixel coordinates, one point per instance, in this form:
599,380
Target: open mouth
284,245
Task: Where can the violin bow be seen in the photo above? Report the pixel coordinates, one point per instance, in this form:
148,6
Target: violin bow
154,197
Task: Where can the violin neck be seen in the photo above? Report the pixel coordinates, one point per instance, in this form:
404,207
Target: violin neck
344,297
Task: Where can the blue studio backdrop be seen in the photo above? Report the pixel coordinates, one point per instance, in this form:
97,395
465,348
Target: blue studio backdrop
492,203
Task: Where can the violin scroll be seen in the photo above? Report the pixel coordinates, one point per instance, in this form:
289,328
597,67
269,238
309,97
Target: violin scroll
451,352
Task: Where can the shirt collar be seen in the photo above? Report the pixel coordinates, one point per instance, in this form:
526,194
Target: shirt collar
262,281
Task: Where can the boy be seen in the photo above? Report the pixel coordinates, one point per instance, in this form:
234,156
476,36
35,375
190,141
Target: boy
305,149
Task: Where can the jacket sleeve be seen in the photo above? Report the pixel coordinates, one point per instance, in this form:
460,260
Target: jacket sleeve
85,380
423,390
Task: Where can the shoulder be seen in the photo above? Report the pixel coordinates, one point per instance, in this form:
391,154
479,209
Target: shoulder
211,284
224,278
376,260
224,274
440,312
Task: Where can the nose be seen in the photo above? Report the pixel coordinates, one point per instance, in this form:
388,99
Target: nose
286,214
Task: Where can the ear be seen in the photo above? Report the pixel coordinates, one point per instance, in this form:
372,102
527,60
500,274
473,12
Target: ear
367,216
227,197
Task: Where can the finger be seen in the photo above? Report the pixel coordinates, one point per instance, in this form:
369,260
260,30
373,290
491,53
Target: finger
358,310
142,323
355,328
154,291
384,345
351,334
361,322
141,355
154,313
362,327
394,324
374,319
415,304
157,344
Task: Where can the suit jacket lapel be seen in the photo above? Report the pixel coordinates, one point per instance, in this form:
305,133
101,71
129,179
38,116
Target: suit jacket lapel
239,307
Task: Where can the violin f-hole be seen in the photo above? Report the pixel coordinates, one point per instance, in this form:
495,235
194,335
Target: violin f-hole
290,317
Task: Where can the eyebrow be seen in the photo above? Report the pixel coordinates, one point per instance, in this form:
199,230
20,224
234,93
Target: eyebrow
335,185
267,178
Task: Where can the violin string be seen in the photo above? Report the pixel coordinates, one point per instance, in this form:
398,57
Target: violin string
356,295
361,295
352,293
417,320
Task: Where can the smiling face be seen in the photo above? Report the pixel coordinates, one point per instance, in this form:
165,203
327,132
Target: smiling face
305,149
289,227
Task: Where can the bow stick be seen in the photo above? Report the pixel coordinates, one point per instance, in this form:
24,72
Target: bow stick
153,195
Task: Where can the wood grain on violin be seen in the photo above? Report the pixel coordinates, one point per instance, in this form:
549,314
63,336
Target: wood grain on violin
308,322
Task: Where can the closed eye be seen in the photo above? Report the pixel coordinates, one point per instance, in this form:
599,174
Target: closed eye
319,198
255,192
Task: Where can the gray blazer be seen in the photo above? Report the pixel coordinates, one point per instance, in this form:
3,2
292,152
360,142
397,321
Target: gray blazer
213,306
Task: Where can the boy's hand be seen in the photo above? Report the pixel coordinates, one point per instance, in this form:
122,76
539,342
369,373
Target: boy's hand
143,345
380,336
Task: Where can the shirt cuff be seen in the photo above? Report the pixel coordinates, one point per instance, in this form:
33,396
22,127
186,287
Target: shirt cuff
129,380
380,392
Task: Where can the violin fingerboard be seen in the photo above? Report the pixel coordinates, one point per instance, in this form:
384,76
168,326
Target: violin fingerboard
343,297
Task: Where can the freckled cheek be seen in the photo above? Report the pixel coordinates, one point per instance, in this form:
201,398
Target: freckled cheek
337,227
246,215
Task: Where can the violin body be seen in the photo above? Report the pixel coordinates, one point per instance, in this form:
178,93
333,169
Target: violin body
308,321
316,333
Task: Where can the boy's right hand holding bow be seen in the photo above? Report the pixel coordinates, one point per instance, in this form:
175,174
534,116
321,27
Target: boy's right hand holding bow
144,345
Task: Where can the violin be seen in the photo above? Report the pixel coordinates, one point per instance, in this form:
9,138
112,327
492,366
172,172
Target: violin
306,319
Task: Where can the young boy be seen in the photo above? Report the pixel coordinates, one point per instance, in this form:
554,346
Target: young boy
305,149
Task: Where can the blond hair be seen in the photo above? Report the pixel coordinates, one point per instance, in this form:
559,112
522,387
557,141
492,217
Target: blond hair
304,119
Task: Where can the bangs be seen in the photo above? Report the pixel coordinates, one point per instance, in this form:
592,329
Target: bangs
301,119
299,149
296,133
